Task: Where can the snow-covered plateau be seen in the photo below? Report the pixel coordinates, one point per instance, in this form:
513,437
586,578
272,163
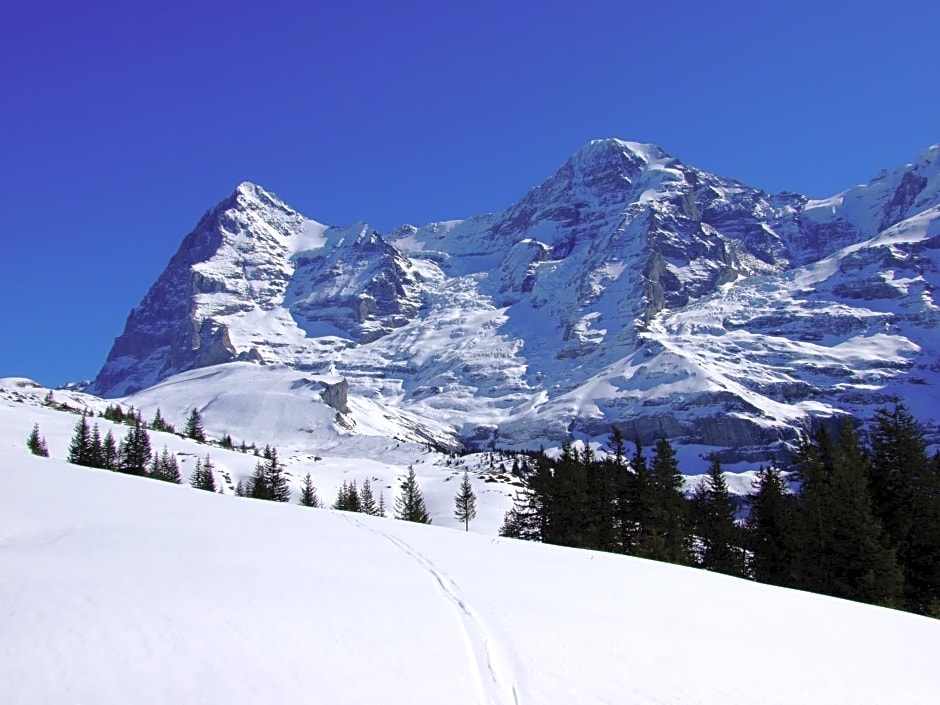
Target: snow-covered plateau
628,289
117,589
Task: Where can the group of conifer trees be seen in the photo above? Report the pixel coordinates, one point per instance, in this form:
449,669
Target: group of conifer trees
854,514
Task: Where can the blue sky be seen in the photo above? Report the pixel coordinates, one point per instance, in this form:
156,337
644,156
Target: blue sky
121,123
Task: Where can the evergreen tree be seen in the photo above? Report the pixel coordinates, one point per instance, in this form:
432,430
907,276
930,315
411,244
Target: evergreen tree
257,485
276,481
226,442
367,504
770,529
840,548
718,535
663,533
203,476
160,424
308,493
134,452
380,508
96,449
164,467
240,489
36,443
347,498
194,429
109,452
465,503
905,487
409,505
80,445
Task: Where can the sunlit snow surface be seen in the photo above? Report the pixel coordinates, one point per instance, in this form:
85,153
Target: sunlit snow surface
117,590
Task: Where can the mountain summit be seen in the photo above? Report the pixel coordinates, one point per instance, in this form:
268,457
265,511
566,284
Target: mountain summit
627,288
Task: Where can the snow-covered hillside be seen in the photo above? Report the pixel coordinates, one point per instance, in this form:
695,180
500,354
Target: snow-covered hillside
628,288
116,589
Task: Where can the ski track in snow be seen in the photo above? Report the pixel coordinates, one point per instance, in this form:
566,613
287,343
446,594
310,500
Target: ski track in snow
498,686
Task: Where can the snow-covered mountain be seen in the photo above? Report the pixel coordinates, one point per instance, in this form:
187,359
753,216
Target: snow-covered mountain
627,288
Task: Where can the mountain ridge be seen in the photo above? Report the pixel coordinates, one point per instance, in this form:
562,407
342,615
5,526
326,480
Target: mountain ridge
577,307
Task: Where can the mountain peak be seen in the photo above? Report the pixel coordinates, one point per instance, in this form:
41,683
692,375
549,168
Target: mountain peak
613,147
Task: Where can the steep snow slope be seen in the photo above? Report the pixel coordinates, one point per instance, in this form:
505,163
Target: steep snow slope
627,288
116,589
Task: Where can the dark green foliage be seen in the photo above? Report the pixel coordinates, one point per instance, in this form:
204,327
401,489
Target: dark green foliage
36,443
80,445
663,533
308,493
194,429
268,480
719,537
367,503
905,486
96,451
409,505
226,442
840,548
240,490
770,529
164,467
134,451
109,452
114,413
347,498
465,503
380,507
160,424
203,476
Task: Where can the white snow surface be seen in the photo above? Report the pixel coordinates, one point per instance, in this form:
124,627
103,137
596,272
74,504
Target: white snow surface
117,589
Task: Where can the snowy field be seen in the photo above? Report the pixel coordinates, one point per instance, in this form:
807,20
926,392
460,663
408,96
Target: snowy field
118,590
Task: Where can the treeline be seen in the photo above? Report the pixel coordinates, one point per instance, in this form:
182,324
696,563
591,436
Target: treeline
854,514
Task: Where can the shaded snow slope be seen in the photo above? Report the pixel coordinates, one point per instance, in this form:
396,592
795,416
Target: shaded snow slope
627,288
116,589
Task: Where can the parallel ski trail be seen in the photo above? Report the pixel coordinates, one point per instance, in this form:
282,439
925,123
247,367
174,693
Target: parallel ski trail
497,684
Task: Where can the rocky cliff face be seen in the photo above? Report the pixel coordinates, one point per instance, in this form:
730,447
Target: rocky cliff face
627,288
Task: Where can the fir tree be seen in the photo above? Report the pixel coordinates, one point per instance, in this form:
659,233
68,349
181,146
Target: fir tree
134,452
718,535
367,503
203,476
380,508
109,452
194,429
226,442
164,467
240,489
160,424
308,493
276,482
80,445
465,503
770,529
257,485
409,505
36,443
839,539
96,449
347,498
663,533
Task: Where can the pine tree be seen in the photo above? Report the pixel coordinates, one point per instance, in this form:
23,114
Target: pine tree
347,498
240,489
664,533
905,487
109,452
380,510
276,481
840,548
80,445
194,429
160,424
203,476
226,442
36,443
465,503
367,503
96,450
257,485
409,505
770,529
718,535
134,451
308,493
164,467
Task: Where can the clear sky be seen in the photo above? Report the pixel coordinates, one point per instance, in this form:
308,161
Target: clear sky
122,122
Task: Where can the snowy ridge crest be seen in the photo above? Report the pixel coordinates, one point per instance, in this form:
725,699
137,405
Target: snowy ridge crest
628,288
